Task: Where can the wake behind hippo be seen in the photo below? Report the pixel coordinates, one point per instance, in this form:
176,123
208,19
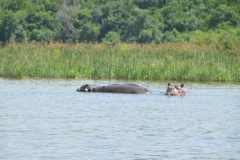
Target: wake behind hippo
115,88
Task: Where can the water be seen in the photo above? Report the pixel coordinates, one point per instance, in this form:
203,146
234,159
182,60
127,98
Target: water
48,119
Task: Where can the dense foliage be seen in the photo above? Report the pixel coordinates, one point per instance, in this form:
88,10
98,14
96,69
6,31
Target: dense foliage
111,21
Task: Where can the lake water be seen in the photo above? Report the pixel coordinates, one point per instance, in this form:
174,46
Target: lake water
48,119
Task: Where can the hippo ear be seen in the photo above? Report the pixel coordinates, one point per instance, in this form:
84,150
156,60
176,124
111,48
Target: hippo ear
182,85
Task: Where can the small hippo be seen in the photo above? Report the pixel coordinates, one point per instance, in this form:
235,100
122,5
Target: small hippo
175,90
115,88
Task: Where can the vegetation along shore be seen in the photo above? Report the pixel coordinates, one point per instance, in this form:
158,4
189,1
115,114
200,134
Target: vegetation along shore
167,61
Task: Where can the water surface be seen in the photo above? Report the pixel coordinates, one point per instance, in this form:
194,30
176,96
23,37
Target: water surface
48,119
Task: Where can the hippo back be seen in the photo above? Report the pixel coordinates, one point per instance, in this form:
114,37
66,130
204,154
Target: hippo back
124,88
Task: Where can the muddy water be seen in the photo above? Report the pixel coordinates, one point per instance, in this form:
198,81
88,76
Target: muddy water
48,119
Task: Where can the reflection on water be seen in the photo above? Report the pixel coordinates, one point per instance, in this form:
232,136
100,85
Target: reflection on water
48,119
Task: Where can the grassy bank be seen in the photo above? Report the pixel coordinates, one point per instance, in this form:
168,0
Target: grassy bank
121,61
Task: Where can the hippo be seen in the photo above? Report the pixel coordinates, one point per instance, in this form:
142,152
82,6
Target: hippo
175,90
115,88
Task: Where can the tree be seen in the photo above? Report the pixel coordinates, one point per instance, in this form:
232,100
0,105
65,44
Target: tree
111,38
8,24
89,32
142,21
146,35
192,22
170,36
115,17
84,23
144,4
225,14
66,15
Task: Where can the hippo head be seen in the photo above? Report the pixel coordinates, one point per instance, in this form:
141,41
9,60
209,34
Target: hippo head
175,90
84,88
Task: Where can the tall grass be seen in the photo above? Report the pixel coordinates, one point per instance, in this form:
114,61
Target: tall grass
121,61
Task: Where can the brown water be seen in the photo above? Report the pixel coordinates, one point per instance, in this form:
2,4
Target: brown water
48,119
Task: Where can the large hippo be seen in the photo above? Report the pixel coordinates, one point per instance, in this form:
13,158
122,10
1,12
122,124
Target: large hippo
115,88
175,90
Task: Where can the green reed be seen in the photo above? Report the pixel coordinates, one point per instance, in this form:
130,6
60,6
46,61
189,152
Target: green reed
121,61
